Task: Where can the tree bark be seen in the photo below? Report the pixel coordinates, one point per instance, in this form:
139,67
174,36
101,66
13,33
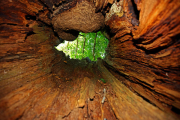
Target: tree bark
141,68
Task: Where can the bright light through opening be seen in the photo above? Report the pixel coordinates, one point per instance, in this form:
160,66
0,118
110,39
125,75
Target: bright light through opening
90,45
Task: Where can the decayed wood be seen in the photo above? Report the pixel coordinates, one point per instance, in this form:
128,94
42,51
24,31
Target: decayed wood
149,57
159,25
38,82
126,104
81,18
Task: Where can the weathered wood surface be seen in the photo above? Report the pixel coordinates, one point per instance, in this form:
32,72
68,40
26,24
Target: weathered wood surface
81,18
38,82
146,52
126,104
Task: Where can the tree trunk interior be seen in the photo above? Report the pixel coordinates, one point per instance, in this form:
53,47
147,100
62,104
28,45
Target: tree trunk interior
141,67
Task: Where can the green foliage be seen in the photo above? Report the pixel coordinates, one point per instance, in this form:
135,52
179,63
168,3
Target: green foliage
69,48
103,80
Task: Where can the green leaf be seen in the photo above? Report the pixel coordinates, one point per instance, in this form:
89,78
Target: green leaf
103,80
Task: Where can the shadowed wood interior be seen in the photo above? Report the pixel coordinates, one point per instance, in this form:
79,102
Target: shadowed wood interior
141,67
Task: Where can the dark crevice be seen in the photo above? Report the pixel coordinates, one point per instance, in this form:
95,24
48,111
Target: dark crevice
56,35
30,17
108,30
82,107
91,99
8,24
106,9
175,109
29,33
136,12
27,25
73,32
66,115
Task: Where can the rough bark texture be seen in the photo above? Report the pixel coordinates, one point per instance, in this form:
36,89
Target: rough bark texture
149,57
141,68
81,18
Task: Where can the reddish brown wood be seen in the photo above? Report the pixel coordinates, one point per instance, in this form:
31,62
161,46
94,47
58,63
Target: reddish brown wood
149,57
141,67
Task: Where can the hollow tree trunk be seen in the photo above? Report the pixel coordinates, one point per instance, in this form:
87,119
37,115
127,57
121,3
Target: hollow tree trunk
141,68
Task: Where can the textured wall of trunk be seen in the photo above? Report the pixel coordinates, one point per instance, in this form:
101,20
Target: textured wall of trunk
147,55
141,68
